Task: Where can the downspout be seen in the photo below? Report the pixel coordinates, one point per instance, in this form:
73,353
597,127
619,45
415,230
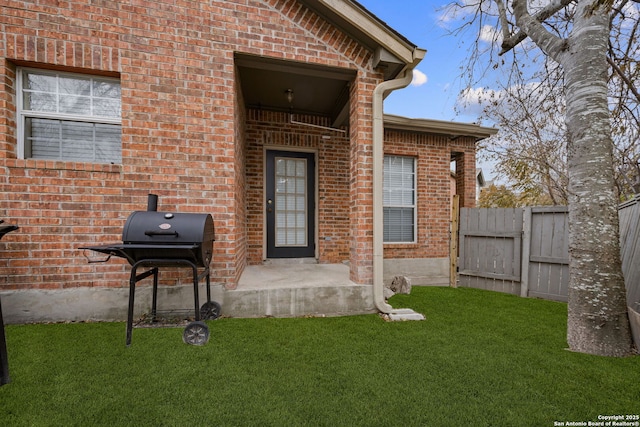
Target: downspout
379,93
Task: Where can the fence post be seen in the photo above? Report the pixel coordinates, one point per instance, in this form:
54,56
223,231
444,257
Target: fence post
526,251
453,253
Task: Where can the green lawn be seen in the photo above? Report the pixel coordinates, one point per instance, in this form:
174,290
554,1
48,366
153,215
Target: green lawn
480,359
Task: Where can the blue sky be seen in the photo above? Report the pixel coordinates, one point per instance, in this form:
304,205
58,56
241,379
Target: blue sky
418,21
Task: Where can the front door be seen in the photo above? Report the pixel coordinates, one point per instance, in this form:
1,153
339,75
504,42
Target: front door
290,204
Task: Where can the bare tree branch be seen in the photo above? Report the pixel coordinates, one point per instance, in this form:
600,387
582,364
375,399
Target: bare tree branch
510,42
549,43
624,77
504,23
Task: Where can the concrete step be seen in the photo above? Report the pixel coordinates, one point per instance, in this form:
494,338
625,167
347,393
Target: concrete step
297,289
299,301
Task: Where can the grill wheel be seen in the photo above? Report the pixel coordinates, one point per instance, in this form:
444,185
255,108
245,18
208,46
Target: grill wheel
196,333
210,310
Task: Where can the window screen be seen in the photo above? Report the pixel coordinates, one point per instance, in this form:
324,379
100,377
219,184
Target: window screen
399,199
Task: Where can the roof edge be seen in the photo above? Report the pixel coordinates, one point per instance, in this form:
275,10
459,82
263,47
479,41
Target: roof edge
358,17
440,127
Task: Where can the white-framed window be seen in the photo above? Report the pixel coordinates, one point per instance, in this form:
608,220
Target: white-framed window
399,199
69,116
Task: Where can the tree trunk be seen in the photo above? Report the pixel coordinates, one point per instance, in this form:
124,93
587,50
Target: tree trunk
598,321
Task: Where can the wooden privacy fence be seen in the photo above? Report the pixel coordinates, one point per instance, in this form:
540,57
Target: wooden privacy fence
525,251
521,251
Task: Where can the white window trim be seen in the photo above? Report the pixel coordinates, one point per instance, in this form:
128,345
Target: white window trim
22,115
414,206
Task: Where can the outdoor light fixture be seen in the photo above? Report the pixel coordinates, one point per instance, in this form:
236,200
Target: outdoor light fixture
289,94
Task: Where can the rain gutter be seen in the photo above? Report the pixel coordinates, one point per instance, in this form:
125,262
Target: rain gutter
379,93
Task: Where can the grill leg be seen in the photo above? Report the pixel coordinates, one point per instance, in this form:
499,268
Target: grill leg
132,294
133,279
154,302
196,297
208,286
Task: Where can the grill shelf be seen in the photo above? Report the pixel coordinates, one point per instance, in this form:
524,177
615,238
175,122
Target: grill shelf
131,252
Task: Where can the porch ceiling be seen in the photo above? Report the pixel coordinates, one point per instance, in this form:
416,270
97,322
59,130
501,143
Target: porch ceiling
316,90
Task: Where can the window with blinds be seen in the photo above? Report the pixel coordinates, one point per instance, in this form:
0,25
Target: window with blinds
65,116
399,199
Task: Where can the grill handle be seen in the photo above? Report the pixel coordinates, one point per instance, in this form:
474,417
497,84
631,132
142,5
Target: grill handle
161,233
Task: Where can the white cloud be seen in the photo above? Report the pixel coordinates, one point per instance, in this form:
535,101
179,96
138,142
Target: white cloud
490,34
477,95
472,101
419,78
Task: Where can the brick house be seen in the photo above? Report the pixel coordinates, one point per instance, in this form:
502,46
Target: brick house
210,105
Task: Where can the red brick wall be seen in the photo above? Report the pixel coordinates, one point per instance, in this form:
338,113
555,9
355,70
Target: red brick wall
184,137
240,213
181,125
433,160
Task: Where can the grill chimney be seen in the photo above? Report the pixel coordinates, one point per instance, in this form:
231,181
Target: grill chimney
152,203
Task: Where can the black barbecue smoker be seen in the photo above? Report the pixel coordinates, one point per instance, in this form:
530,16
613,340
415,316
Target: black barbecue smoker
4,362
152,239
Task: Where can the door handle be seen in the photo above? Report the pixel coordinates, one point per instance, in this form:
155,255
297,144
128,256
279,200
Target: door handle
269,205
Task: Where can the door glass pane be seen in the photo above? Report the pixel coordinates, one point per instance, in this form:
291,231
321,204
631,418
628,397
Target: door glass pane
291,202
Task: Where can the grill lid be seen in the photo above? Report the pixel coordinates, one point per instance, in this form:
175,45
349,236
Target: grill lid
150,227
167,235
